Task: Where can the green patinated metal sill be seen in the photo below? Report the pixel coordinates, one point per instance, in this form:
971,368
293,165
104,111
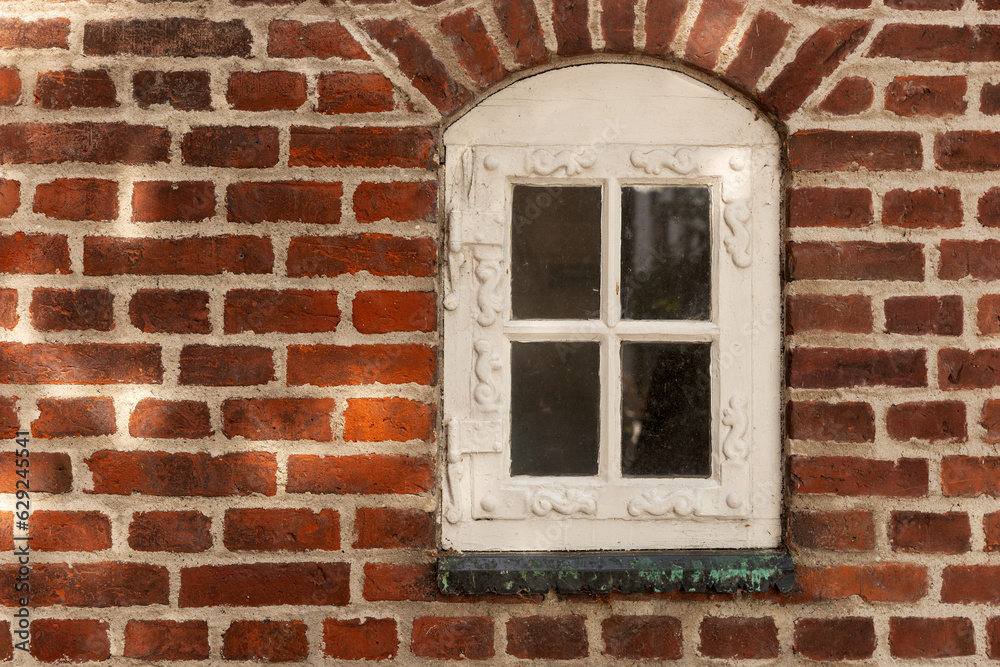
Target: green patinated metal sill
606,572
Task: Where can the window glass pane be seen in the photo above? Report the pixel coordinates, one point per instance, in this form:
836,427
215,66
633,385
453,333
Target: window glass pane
666,253
666,409
555,408
556,253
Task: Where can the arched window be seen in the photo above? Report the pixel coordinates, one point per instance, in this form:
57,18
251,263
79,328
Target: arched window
612,315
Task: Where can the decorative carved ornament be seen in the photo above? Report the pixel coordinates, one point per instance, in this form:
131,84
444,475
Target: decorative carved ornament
681,161
566,502
544,163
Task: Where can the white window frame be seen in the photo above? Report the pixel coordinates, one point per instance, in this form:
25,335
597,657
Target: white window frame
612,125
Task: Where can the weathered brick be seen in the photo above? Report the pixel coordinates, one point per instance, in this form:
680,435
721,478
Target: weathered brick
49,473
979,260
943,43
739,638
971,584
925,5
157,418
851,95
877,582
970,476
74,417
34,253
407,147
852,530
989,99
8,308
856,260
829,207
66,89
618,25
184,91
993,637
760,45
387,528
925,532
226,365
101,143
173,201
265,584
716,20
363,473
278,418
831,367
286,311
410,581
838,422
10,86
69,640
177,532
265,641
378,254
280,201
354,639
10,423
854,476
935,96
834,150
266,91
192,256
571,24
38,34
167,640
965,369
106,584
322,39
168,37
935,421
281,530
394,419
332,365
77,199
384,311
70,531
923,315
229,146
663,18
547,637
399,201
72,310
928,207
350,92
931,637
968,150
453,637
519,22
988,213
991,531
643,637
81,363
835,639
818,312
991,420
182,474
10,197
170,311
473,46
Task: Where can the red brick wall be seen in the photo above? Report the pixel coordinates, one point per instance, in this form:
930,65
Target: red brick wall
219,242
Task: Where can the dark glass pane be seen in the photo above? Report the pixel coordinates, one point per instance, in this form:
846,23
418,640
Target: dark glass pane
555,408
666,409
666,253
556,253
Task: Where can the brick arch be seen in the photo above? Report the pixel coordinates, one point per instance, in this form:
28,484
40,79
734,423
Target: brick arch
454,57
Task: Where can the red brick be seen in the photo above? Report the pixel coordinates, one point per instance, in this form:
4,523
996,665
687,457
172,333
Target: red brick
411,581
760,45
266,91
168,37
547,637
833,150
287,311
167,640
399,201
854,476
70,531
925,5
570,20
663,17
34,253
322,39
49,473
935,421
354,639
967,150
924,532
169,311
977,259
817,58
69,640
384,311
829,207
835,4
156,418
856,260
923,315
970,476
991,530
184,91
392,419
10,86
278,418
350,92
991,420
715,22
851,95
453,637
993,637
192,256
473,46
418,62
226,366
74,417
8,308
387,528
176,532
989,99
931,637
218,146
944,43
935,96
265,584
173,201
281,530
378,254
988,213
72,310
880,582
10,197
363,473
66,89
333,365
618,25
838,422
406,147
831,367
93,363
519,22
852,530
278,201
101,143
971,584
38,34
928,207
835,639
105,584
739,638
818,312
265,641
643,637
77,199
964,369
10,424
182,474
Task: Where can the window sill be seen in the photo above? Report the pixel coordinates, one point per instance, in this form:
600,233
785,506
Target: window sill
604,572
